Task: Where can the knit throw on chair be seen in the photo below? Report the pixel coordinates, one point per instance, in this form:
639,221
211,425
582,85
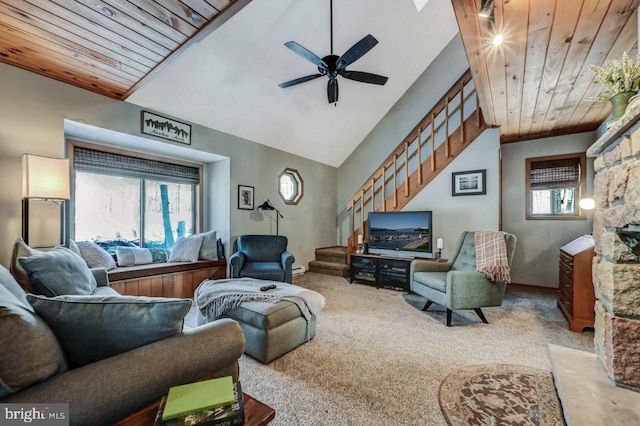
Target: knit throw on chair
491,255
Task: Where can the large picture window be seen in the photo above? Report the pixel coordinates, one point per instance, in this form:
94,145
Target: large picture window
121,199
554,186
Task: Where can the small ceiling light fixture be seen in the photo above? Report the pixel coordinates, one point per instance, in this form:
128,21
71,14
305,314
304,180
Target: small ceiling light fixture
497,40
486,10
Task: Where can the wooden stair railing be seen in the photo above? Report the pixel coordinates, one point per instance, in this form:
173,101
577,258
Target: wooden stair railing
423,154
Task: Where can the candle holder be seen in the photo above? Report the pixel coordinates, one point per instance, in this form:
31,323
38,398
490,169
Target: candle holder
439,246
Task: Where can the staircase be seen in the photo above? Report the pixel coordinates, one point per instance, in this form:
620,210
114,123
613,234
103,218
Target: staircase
330,261
444,132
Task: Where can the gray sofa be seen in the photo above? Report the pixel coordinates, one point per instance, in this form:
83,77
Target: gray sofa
110,389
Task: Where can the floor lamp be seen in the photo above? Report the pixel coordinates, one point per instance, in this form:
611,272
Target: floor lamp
45,179
268,206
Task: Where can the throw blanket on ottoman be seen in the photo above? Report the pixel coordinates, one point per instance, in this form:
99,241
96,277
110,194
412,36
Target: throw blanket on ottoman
214,298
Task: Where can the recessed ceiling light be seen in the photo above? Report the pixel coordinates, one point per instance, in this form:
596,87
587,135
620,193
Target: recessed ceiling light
497,40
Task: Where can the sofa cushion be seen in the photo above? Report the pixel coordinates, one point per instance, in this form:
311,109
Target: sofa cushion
186,249
95,256
21,249
209,247
58,271
91,328
30,351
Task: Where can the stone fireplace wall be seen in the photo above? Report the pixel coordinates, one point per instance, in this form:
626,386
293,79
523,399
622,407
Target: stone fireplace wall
616,267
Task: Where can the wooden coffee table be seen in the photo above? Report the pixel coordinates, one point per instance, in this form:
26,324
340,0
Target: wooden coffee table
256,413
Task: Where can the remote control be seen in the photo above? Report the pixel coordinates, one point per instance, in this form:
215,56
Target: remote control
268,287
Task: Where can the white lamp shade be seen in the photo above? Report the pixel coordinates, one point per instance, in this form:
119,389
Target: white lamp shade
439,243
44,177
359,238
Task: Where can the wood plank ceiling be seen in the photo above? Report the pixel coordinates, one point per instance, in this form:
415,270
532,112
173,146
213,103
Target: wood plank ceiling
537,83
106,46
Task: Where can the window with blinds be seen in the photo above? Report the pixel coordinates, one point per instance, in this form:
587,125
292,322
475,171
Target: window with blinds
554,186
121,198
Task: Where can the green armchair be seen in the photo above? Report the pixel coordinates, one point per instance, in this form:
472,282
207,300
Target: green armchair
456,285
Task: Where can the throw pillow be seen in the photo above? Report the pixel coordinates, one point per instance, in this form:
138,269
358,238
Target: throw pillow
209,248
159,254
95,256
129,256
30,351
9,282
91,328
220,249
186,249
74,248
58,271
21,249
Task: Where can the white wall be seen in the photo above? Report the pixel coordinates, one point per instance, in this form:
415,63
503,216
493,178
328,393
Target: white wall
434,82
536,257
452,215
33,122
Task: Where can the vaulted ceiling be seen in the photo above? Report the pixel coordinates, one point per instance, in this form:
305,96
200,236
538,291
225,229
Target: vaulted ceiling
107,46
536,84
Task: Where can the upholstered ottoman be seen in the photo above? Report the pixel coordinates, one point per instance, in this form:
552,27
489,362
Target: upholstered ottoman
274,322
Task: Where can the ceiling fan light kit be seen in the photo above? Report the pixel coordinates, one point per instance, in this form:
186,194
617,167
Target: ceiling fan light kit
333,66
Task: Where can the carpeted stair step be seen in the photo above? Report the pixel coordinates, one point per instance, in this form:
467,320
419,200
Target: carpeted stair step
336,254
329,268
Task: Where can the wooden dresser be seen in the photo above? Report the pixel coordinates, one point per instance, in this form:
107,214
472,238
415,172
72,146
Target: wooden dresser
576,296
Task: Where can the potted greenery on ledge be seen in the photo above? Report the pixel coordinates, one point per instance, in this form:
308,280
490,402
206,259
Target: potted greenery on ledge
622,79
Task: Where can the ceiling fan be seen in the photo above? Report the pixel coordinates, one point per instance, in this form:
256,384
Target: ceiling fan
333,65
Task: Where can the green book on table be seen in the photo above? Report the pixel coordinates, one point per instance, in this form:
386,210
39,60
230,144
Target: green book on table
198,396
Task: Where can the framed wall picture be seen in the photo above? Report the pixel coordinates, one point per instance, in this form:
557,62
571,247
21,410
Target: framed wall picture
245,197
472,182
167,128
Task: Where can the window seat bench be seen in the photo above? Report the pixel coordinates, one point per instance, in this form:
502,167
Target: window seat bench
175,279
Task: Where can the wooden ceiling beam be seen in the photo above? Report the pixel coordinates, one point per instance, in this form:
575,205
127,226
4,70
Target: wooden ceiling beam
466,12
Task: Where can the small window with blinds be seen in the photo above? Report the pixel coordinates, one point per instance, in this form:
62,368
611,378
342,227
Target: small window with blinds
554,185
124,198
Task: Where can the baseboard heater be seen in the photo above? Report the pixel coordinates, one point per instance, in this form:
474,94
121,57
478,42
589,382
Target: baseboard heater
298,270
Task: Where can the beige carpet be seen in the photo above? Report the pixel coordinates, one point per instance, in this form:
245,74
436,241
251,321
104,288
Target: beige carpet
378,360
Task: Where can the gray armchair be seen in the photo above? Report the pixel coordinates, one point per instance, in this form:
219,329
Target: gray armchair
263,257
456,284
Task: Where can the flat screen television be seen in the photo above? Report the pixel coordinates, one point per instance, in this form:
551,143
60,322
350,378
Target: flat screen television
406,233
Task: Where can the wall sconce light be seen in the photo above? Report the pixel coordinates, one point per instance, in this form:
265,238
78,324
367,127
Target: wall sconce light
268,206
46,179
587,203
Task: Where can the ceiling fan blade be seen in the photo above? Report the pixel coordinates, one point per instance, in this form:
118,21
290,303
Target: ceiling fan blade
365,77
307,54
356,51
299,80
332,90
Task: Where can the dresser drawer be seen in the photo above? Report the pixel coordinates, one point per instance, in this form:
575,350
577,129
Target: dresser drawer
566,258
